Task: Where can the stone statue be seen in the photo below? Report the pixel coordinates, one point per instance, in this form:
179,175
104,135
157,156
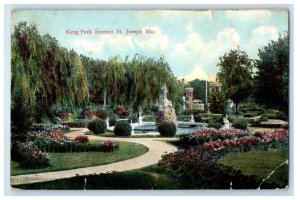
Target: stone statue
226,122
165,110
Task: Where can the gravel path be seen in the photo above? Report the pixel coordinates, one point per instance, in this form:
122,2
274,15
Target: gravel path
157,147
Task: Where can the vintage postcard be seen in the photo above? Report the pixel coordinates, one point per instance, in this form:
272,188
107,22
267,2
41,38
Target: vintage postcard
149,99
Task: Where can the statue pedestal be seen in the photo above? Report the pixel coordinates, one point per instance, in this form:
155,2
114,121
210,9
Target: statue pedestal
226,126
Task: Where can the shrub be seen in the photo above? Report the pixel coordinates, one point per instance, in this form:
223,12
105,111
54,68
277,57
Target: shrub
216,125
240,124
198,169
65,116
31,156
81,138
97,126
112,120
231,118
101,113
133,117
167,129
185,118
122,112
77,124
108,146
198,118
199,137
122,128
87,113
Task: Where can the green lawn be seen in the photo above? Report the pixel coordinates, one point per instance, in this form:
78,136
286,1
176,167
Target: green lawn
260,163
146,178
64,161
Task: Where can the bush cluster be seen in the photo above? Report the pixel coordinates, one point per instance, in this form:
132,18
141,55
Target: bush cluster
108,146
240,124
216,125
200,137
122,128
81,138
167,129
97,126
101,113
198,169
30,156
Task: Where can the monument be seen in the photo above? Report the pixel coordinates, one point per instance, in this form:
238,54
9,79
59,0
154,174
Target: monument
166,110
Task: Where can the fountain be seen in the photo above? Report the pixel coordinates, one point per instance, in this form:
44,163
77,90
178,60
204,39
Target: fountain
165,112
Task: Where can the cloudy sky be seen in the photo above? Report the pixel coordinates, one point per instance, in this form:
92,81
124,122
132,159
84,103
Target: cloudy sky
191,41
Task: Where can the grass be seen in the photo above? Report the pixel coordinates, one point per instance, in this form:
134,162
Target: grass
146,178
153,177
260,163
64,161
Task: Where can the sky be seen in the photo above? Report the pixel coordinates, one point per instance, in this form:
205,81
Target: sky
190,41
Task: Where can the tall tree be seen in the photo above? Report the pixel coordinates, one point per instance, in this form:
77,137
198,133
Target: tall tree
42,74
272,76
235,74
199,88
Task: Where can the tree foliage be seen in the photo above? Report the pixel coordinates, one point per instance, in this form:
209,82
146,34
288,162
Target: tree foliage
235,74
42,74
134,82
272,76
217,102
199,88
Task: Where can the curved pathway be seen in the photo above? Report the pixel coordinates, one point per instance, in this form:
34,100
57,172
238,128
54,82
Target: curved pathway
157,147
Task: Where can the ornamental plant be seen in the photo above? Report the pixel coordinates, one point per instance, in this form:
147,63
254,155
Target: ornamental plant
197,168
108,146
122,112
101,113
81,139
31,156
122,128
246,142
87,113
199,137
98,126
167,129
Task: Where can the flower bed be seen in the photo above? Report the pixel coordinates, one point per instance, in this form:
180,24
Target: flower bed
30,156
200,137
246,142
55,141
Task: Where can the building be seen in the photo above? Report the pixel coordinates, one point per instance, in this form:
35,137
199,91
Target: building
214,86
189,95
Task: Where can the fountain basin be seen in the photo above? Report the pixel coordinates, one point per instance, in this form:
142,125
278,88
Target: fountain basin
182,127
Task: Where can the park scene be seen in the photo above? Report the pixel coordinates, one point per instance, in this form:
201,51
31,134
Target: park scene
152,100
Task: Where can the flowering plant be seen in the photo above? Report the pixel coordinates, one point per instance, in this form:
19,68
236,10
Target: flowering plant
219,131
122,112
81,138
198,137
108,146
31,156
246,141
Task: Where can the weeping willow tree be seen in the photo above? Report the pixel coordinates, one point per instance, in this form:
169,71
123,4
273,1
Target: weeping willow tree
42,74
134,83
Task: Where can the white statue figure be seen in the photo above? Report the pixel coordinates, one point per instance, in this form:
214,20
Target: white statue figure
164,98
140,117
226,122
